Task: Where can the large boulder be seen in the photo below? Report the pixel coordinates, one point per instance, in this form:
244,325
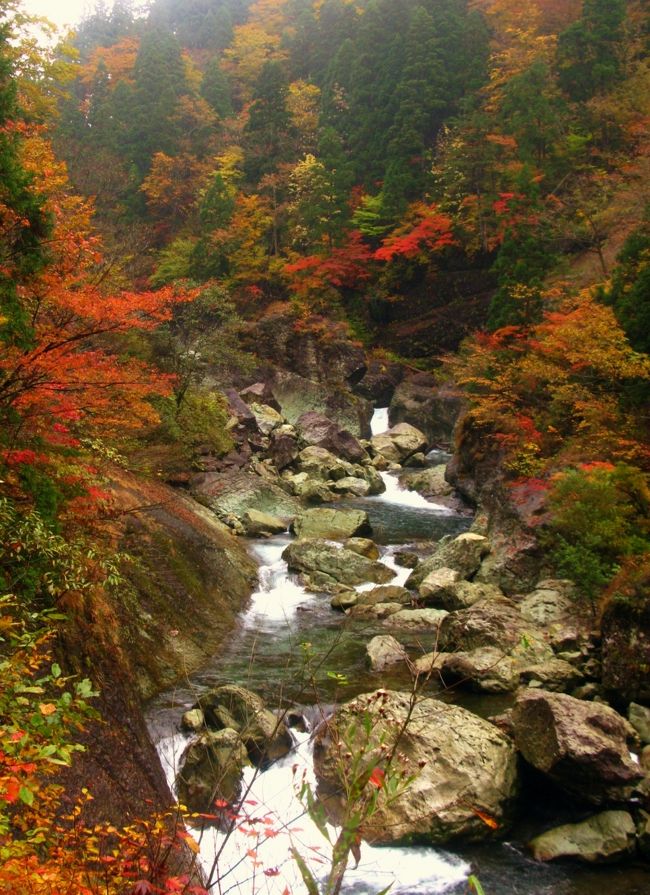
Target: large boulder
211,770
265,736
417,619
496,623
379,382
582,746
463,554
421,401
317,429
549,603
257,524
234,492
325,522
327,565
266,417
399,442
297,396
608,836
462,767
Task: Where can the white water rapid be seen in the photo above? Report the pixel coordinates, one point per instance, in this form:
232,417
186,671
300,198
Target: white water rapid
257,856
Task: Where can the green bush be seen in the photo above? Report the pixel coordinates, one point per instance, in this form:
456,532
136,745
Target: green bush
199,420
599,517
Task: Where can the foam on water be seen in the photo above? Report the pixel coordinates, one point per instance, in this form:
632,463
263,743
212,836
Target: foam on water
379,421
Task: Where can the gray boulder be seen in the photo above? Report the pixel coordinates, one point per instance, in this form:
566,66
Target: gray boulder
328,565
485,670
497,623
462,767
433,408
363,546
418,619
317,429
384,651
438,585
233,492
325,522
399,442
267,418
466,593
464,554
550,602
385,593
430,482
639,718
265,737
608,836
211,770
257,524
582,746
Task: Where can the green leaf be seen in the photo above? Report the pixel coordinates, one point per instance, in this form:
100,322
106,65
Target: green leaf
26,795
305,872
56,670
475,885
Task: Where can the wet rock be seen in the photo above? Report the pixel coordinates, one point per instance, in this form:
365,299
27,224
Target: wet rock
325,522
461,763
192,720
379,611
379,381
344,600
607,836
463,553
416,461
430,664
399,442
257,524
363,546
582,746
639,718
265,737
384,651
211,769
317,429
331,564
418,619
406,559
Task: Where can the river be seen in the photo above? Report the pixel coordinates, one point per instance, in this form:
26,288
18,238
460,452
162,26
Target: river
292,649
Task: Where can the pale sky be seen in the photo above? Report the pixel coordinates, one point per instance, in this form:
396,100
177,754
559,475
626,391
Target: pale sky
61,12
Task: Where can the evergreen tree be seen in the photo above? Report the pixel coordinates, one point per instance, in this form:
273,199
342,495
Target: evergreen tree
215,89
23,223
268,132
589,51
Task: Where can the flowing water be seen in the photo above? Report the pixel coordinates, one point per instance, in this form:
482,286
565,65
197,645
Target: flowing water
292,649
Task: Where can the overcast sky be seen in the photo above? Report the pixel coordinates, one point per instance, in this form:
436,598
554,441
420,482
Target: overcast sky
61,12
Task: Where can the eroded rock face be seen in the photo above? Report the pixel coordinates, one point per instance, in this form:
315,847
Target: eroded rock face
325,522
211,769
433,408
608,836
582,746
327,565
462,764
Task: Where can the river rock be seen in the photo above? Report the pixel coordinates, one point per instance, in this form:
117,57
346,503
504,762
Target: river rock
608,836
485,670
462,765
379,382
192,720
266,417
363,546
643,833
384,651
463,553
399,442
466,593
211,769
385,593
297,395
552,674
344,600
418,619
257,524
551,601
325,522
321,463
266,737
497,623
437,585
582,746
317,429
259,393
379,611
334,564
353,485
639,718
430,482
233,492
283,449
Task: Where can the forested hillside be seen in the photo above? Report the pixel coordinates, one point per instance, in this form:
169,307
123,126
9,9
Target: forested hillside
457,188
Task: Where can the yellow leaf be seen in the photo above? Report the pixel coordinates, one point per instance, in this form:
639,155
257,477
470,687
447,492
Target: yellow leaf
47,708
